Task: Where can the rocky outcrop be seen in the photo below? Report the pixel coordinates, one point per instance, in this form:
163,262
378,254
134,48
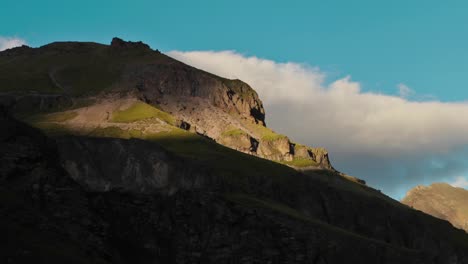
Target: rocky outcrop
202,102
441,200
241,142
277,149
118,43
320,155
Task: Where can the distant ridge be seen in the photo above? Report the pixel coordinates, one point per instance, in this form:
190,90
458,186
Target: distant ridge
442,201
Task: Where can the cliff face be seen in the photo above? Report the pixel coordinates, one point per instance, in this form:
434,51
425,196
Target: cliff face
442,201
67,72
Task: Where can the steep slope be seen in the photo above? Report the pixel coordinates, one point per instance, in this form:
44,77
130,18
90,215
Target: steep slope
142,204
442,201
61,75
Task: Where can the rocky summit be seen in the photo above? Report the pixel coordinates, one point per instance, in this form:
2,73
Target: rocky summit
442,201
63,76
120,154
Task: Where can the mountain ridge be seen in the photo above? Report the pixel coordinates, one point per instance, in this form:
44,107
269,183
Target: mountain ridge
227,111
133,172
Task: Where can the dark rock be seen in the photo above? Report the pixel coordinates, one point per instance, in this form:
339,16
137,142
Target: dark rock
118,43
182,124
48,216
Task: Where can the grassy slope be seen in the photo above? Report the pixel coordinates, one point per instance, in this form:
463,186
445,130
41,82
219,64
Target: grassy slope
176,140
263,132
238,170
140,111
190,145
301,163
78,67
233,132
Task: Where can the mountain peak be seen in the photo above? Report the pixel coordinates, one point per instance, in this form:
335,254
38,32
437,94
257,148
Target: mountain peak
442,201
229,112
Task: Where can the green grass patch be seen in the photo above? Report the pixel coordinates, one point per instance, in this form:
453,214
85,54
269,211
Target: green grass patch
233,133
140,111
301,162
75,68
60,68
264,133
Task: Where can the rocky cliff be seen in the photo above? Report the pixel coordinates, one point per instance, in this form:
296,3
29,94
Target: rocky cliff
59,74
442,201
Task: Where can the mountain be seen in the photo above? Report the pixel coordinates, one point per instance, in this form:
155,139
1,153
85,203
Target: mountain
120,154
442,201
130,76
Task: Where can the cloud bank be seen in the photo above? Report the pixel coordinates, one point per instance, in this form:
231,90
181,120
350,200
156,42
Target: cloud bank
389,140
10,42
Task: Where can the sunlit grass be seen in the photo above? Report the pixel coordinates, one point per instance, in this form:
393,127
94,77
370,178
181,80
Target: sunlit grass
140,111
301,162
263,132
233,133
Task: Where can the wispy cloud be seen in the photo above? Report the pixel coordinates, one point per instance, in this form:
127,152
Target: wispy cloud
400,137
10,42
404,91
461,182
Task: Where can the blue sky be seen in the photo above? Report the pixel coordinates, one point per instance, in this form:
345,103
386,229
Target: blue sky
380,44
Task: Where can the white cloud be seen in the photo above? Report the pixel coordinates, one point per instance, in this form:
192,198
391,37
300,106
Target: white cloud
390,141
10,42
340,115
460,182
404,91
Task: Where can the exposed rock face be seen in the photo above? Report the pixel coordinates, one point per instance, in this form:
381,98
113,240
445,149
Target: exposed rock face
133,165
321,157
442,201
202,102
242,142
118,43
278,149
